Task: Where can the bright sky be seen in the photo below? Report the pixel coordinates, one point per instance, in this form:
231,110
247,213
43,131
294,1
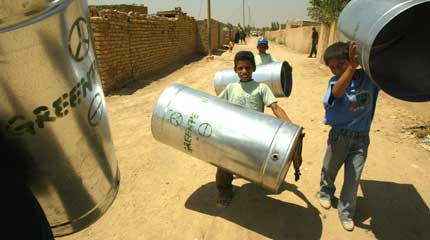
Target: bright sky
263,12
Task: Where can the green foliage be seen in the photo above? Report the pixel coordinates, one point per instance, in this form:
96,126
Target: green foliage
229,26
326,11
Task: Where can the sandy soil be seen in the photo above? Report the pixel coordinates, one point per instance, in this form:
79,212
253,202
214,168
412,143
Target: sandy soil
166,194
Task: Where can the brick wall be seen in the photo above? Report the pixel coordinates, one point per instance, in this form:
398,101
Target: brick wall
139,8
130,44
217,35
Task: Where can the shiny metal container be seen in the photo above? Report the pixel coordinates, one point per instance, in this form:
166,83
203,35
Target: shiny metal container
393,44
277,76
248,143
53,112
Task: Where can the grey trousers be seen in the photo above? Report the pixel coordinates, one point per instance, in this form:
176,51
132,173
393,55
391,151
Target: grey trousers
348,148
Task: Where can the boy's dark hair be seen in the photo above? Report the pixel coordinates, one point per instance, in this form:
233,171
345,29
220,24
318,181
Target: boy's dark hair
339,50
244,56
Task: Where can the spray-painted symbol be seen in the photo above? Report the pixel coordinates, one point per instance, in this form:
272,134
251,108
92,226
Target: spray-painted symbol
79,39
95,112
205,130
176,119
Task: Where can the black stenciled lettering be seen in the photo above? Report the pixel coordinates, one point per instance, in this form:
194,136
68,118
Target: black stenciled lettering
87,84
188,131
74,96
42,116
60,105
187,146
18,126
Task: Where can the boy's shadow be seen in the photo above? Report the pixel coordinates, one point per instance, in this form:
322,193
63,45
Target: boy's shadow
254,209
396,211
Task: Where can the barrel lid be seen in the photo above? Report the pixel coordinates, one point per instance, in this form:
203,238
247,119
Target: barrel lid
16,12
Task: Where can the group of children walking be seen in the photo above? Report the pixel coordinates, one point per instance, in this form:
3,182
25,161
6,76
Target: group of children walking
349,105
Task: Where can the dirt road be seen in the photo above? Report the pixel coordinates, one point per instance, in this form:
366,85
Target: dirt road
165,194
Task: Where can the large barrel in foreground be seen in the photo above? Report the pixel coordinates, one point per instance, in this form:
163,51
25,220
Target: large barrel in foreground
277,76
393,44
248,143
53,116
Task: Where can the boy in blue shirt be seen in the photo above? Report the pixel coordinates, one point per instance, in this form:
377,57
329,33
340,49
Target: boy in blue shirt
349,108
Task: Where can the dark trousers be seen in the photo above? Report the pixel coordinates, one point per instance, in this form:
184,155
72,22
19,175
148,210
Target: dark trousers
223,181
313,50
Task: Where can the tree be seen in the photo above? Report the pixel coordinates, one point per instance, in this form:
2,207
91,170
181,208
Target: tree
274,26
326,11
229,26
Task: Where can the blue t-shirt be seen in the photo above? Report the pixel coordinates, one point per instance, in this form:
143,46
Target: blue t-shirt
355,109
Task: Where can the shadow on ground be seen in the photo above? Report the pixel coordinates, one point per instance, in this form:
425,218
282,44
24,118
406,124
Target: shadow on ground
219,52
396,211
254,209
143,81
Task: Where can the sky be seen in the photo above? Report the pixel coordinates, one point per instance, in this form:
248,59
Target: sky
259,13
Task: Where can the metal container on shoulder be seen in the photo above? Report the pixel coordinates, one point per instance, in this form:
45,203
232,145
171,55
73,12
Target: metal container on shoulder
277,76
393,44
53,114
248,143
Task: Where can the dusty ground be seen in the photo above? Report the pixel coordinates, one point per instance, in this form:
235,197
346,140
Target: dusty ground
166,194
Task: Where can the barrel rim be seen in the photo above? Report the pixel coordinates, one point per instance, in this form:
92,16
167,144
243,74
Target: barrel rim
288,157
31,16
89,218
375,28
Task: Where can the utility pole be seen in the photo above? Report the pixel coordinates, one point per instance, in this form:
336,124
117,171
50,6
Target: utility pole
209,29
243,14
249,16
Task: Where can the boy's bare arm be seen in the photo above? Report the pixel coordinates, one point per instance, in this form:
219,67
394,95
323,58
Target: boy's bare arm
342,84
279,112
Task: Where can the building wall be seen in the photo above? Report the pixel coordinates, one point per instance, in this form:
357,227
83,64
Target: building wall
217,35
131,44
300,38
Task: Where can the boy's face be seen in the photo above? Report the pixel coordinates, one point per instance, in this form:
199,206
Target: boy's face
337,66
262,48
244,70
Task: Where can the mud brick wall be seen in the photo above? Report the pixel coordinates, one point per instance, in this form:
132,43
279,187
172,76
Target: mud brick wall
131,45
217,35
139,8
228,35
158,42
112,47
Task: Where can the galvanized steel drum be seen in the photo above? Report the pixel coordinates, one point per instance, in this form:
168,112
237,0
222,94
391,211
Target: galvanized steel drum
251,144
393,44
277,76
53,112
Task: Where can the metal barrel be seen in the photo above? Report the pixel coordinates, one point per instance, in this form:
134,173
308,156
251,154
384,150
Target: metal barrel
393,44
248,143
53,113
276,75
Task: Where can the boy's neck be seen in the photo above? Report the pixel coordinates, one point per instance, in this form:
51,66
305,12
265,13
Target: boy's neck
246,80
